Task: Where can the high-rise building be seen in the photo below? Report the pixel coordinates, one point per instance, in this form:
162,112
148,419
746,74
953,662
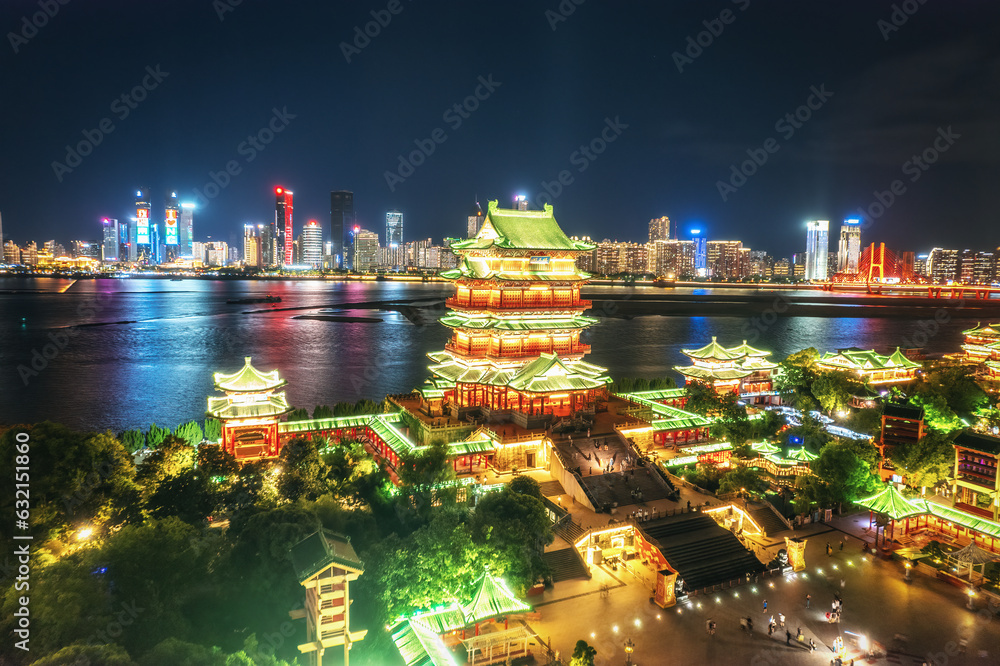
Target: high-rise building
312,244
283,223
29,255
341,224
672,258
849,250
659,229
251,245
365,250
724,259
109,246
86,249
942,265
520,202
186,232
171,228
11,253
216,253
700,252
140,249
475,221
393,229
817,246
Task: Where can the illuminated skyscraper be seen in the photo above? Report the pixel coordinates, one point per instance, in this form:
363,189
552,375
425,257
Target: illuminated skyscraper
109,245
659,229
140,248
475,221
171,227
283,222
849,250
700,253
251,245
393,229
186,236
365,250
312,244
341,224
817,246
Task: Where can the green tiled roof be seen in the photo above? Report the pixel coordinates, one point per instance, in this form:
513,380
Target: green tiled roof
659,394
988,331
419,645
977,523
857,359
456,320
492,599
891,503
803,454
665,416
321,549
335,423
746,350
548,373
976,441
765,448
443,619
521,229
248,380
712,350
222,408
717,373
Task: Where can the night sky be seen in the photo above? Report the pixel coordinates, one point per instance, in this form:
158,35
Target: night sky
610,67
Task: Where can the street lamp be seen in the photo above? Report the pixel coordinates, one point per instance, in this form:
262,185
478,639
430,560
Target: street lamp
972,595
907,566
629,648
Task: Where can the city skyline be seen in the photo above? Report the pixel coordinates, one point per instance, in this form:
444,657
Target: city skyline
858,123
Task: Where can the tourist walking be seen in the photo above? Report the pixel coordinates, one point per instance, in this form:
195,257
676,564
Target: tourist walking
842,543
788,637
808,600
812,645
781,620
765,605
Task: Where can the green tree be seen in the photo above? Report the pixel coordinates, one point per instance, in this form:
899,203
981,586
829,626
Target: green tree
833,390
156,435
702,398
133,440
216,461
526,485
173,456
298,414
795,378
742,478
427,481
846,475
77,480
733,424
927,462
188,495
173,651
583,654
767,425
322,412
302,471
190,432
865,421
213,430
108,654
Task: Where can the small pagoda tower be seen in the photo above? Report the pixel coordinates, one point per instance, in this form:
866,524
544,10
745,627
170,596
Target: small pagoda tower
325,565
249,412
515,353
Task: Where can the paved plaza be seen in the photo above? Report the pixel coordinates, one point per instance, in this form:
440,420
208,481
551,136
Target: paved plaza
923,620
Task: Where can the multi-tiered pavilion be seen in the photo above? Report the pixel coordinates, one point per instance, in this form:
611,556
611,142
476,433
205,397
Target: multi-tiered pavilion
870,366
249,412
515,353
743,369
982,347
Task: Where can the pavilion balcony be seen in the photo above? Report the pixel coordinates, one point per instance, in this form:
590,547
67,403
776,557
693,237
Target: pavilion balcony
977,480
516,305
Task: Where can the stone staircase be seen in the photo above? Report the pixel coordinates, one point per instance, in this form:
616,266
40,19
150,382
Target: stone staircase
764,516
565,564
568,531
551,488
